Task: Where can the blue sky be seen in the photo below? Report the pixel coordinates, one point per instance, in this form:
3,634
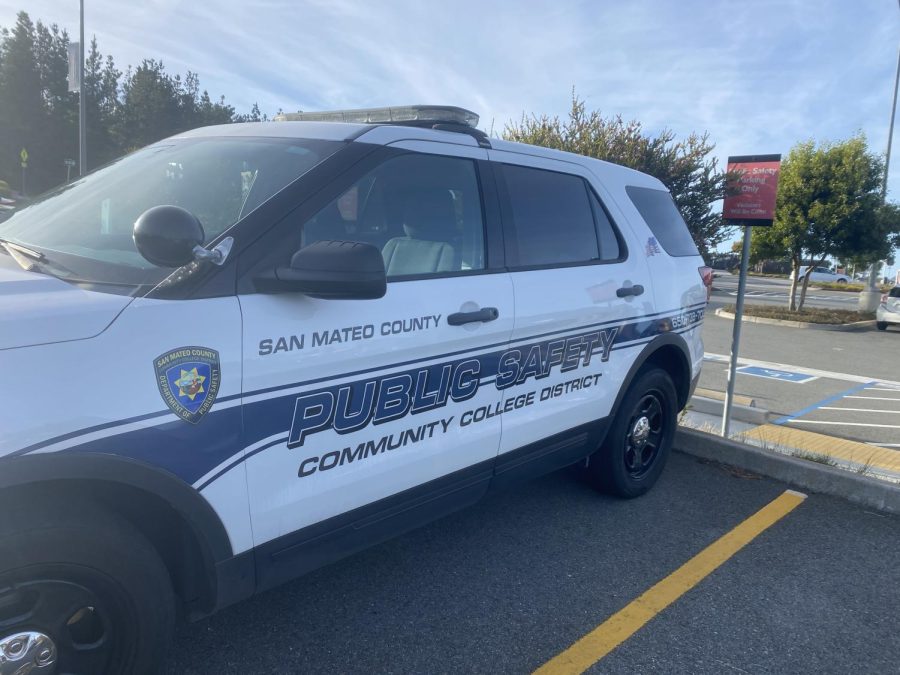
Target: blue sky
759,76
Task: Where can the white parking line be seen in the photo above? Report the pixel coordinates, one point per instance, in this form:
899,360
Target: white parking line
875,410
874,398
885,389
884,445
844,424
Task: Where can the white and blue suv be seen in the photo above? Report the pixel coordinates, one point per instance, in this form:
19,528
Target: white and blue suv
249,350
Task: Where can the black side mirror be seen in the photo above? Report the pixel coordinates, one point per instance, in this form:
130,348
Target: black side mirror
167,235
348,270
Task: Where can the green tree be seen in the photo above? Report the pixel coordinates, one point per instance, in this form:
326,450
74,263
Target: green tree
37,112
155,105
22,108
57,137
150,106
101,80
253,116
827,206
684,166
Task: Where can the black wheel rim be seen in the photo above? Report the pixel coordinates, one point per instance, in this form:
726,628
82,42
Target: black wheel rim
644,435
84,621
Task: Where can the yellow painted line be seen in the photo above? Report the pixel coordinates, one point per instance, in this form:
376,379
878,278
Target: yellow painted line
628,620
720,396
782,438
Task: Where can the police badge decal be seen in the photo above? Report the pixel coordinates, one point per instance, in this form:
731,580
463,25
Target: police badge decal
188,379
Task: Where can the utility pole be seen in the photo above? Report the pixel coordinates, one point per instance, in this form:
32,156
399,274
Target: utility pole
82,125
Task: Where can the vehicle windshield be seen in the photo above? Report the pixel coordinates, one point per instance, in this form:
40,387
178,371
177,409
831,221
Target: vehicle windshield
84,229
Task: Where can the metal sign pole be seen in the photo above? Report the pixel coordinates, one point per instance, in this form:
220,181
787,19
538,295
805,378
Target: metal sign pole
736,332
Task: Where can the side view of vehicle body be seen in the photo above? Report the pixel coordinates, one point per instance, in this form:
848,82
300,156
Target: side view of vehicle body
249,350
823,274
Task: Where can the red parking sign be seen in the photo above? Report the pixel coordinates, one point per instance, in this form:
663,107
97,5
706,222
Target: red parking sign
750,196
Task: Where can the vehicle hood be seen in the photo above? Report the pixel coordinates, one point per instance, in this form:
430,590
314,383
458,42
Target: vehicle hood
36,309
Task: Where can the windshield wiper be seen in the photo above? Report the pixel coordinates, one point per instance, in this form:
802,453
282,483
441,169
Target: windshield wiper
31,260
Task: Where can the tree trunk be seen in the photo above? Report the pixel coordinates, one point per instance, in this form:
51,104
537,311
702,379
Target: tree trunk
803,289
809,272
792,296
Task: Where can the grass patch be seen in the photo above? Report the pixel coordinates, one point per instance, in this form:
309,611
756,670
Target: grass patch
849,288
816,457
808,314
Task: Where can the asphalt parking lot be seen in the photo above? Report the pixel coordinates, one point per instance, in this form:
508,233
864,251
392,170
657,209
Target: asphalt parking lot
506,586
847,384
774,290
871,411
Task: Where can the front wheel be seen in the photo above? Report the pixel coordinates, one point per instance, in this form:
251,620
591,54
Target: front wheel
81,592
881,325
842,281
638,443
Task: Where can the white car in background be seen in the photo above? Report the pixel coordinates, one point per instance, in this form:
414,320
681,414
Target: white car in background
824,274
888,310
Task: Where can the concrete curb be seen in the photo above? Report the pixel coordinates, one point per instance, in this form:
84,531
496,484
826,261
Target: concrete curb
868,492
744,413
845,327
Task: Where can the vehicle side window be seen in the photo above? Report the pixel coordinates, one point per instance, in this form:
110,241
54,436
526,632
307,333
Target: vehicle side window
611,248
658,210
422,211
552,217
895,292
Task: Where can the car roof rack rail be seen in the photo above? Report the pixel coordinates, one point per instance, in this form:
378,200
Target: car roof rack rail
439,117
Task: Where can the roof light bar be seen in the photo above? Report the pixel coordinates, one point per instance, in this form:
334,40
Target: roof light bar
437,114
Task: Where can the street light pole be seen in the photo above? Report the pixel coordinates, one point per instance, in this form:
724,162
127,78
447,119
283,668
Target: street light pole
82,126
869,298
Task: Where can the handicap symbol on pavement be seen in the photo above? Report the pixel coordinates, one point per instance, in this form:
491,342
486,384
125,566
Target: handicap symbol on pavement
773,374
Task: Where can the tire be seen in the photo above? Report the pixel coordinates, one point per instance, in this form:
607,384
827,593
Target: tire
842,281
622,468
88,585
881,325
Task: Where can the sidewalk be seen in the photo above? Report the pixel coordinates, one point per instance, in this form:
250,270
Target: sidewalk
860,458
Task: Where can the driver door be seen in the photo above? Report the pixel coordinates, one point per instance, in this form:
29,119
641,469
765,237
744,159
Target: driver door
352,408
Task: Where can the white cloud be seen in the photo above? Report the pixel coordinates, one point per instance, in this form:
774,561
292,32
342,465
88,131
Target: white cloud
758,76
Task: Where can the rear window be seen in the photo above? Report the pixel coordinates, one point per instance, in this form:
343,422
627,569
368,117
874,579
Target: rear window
658,209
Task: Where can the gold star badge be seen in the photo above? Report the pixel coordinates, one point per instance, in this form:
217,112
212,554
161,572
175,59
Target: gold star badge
190,383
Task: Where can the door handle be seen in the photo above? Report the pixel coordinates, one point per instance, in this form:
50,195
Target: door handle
625,291
483,314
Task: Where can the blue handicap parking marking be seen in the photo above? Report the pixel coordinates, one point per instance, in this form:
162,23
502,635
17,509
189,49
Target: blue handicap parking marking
772,374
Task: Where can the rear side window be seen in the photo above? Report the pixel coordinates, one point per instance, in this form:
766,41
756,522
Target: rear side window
658,210
610,247
554,221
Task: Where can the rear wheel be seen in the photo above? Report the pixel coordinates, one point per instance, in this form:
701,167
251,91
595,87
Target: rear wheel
881,325
638,443
81,592
842,281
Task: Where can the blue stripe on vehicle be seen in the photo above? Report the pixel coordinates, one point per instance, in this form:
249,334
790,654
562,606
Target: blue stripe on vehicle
256,392
284,439
192,451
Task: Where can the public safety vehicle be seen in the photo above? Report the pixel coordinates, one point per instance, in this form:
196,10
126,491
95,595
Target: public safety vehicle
249,350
